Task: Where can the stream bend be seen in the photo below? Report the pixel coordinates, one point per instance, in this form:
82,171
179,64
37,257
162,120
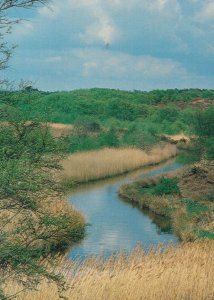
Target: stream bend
116,225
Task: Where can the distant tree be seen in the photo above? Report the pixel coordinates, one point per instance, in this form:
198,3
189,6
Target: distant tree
204,122
202,145
109,138
204,128
86,124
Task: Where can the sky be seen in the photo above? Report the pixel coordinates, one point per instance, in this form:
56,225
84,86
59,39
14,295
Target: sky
120,44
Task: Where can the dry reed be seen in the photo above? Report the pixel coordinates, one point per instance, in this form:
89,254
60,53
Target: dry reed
86,166
177,273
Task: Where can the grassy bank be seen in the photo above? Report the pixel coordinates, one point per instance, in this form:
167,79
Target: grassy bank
178,273
93,165
186,200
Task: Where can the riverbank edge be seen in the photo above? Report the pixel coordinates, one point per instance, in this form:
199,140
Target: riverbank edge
75,229
185,214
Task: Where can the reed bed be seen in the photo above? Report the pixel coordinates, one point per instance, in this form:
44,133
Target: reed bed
177,273
88,166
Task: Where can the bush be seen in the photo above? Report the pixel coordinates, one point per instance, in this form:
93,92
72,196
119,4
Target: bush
108,139
141,135
204,122
166,186
85,125
169,113
209,144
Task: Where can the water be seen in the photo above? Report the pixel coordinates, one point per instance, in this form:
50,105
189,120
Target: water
116,225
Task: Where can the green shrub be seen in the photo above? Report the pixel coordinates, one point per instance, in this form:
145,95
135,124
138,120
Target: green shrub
86,124
166,186
142,135
194,208
209,145
108,139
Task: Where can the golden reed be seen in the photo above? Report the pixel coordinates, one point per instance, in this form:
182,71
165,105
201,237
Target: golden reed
92,165
177,273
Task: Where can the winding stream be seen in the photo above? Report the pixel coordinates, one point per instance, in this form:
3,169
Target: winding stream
116,225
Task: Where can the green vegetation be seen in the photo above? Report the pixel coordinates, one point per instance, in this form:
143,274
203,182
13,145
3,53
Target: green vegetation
114,118
190,218
204,128
29,160
35,221
164,187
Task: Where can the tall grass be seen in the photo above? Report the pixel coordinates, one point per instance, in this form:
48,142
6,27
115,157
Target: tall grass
86,166
177,273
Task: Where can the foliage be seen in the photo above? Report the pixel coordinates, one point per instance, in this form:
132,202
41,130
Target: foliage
29,156
193,207
66,107
209,146
108,139
165,186
204,128
204,122
142,135
138,118
85,125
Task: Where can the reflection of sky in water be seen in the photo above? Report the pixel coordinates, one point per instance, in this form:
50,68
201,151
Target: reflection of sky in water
116,225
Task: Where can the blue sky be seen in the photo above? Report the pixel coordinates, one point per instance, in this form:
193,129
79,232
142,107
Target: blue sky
153,44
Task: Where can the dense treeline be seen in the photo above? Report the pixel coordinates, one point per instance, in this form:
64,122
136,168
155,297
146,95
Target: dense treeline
113,118
66,107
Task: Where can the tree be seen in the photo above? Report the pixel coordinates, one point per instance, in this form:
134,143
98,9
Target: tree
204,128
6,24
203,143
29,229
29,157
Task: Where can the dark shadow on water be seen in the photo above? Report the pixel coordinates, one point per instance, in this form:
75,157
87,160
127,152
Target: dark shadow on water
163,223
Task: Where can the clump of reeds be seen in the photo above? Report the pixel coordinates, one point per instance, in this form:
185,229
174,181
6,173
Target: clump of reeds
87,166
177,273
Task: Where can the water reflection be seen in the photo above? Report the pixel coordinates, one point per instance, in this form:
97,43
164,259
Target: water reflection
115,224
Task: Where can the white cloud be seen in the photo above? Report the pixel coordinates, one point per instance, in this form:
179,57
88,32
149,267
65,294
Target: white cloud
107,64
68,37
104,15
102,28
23,29
207,11
51,11
88,66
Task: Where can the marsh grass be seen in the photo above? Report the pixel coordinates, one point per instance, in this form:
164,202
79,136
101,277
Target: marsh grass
93,165
176,273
